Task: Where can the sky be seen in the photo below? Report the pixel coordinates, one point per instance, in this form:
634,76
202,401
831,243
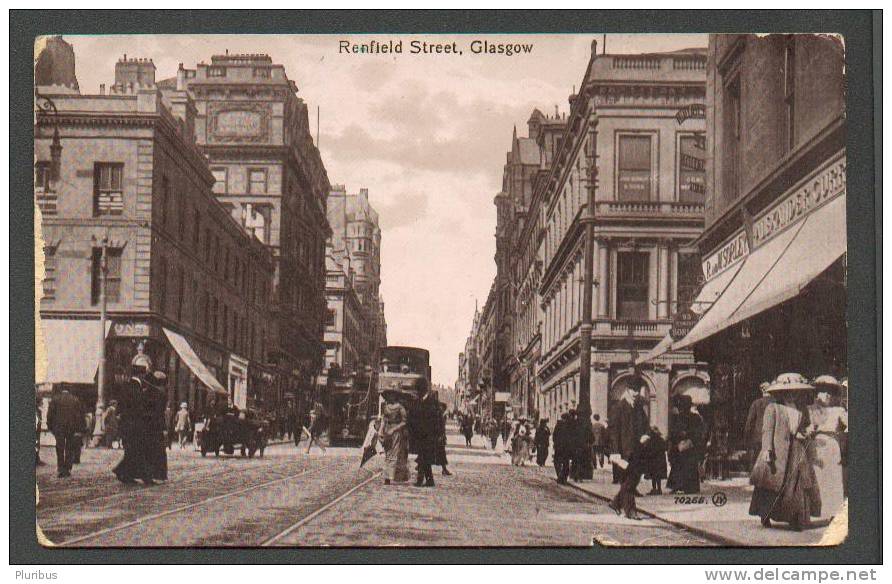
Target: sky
427,134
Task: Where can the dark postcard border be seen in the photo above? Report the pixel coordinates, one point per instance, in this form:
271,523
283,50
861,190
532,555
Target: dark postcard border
863,35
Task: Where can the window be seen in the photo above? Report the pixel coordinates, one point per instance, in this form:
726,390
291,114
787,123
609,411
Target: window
631,285
49,276
216,312
261,72
43,189
691,169
183,216
165,199
42,176
112,275
690,276
206,325
257,181
790,89
162,285
207,245
225,325
216,71
196,228
330,318
731,132
634,180
108,192
181,294
221,176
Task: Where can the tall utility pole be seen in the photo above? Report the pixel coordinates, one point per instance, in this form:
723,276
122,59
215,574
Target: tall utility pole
584,409
98,429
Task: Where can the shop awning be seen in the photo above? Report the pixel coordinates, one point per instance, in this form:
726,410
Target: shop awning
778,270
187,354
708,296
71,350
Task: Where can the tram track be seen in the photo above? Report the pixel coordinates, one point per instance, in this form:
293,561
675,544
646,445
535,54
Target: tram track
271,541
112,490
183,508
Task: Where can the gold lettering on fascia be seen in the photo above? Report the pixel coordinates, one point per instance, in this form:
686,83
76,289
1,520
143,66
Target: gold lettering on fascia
726,256
816,191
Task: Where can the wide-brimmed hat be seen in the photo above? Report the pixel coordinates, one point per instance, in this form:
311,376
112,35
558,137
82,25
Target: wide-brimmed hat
789,382
827,381
391,391
184,405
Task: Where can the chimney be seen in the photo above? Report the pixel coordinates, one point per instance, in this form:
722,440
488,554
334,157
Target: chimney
594,48
102,89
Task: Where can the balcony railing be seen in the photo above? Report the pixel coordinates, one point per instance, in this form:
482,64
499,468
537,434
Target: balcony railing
652,209
640,328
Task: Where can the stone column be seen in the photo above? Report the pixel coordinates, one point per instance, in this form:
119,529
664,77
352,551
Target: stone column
673,285
600,389
603,278
659,414
663,263
612,272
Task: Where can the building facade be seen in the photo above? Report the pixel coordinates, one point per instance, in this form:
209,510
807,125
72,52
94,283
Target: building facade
774,246
356,236
629,150
254,130
347,336
125,197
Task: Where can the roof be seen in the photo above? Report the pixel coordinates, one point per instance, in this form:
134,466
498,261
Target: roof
529,151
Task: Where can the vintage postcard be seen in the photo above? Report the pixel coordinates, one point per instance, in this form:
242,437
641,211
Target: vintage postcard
441,290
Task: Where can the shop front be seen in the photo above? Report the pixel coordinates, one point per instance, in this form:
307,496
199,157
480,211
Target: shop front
238,381
774,300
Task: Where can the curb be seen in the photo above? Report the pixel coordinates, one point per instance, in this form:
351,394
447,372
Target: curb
706,534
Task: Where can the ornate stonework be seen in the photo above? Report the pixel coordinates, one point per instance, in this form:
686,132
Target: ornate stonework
238,122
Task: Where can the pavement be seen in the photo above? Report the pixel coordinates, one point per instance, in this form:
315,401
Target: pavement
720,513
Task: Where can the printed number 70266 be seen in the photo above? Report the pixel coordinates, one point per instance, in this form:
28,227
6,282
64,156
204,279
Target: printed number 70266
689,500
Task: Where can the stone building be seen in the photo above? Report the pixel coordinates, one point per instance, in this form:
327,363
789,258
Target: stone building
254,129
356,235
627,140
528,164
346,326
774,245
184,283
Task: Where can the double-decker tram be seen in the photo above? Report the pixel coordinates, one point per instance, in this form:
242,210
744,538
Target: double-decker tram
405,369
352,401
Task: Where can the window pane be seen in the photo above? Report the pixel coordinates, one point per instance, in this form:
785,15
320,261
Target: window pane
634,176
691,170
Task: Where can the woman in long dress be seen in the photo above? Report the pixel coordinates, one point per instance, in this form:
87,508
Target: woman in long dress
521,444
394,438
783,477
827,420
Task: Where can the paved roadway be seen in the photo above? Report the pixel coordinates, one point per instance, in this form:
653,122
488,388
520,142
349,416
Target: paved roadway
289,498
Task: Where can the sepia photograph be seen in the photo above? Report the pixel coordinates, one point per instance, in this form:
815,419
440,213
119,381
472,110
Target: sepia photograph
441,290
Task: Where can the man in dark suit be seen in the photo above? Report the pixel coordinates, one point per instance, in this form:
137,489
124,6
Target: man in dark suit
753,428
562,439
424,432
65,420
626,428
599,441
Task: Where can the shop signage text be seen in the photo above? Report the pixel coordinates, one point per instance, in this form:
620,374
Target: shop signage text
682,324
131,329
726,256
695,111
817,190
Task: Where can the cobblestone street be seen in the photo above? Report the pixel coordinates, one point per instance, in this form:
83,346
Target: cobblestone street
289,498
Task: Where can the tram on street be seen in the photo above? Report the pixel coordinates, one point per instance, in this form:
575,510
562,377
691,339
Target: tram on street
352,401
406,369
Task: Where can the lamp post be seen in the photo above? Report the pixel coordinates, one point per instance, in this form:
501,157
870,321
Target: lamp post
584,410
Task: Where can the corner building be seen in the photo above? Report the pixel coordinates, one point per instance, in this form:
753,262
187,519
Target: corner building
184,283
629,140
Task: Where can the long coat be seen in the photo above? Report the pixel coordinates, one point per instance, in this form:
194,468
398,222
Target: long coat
65,415
685,473
626,428
779,427
424,428
753,428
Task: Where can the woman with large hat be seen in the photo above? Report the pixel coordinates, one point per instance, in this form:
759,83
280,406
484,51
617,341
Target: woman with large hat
394,438
782,475
828,420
